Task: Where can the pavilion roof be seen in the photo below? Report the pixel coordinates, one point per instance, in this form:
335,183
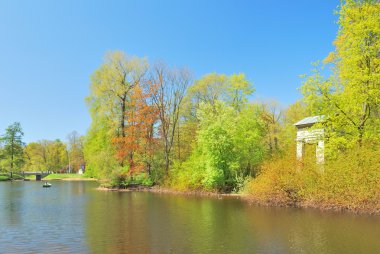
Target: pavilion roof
309,121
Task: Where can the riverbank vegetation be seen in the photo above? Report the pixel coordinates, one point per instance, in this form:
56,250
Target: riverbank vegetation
350,99
154,122
43,155
4,178
349,182
67,176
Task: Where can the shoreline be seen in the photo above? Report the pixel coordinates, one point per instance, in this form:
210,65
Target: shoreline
54,179
250,199
74,179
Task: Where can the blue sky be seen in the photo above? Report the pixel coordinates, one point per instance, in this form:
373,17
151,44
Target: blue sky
48,49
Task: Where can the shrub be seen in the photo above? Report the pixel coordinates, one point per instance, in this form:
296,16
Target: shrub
351,181
17,176
4,178
122,179
187,175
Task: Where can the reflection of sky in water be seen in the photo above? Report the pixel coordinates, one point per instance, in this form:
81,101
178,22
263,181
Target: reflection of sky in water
72,217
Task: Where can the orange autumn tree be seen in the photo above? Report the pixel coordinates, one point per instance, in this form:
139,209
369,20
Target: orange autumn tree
136,148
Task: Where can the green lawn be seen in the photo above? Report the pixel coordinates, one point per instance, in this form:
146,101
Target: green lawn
64,176
4,177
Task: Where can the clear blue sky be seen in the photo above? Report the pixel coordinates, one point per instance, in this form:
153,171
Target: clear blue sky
48,49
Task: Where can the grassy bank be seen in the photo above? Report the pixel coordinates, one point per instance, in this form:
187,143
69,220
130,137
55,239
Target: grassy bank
8,178
67,177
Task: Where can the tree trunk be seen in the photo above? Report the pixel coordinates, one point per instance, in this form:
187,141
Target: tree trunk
122,120
12,154
179,144
167,159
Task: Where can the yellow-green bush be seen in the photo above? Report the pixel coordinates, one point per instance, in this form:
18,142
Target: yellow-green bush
350,181
186,176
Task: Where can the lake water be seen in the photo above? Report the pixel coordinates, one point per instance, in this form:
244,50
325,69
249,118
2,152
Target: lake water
73,217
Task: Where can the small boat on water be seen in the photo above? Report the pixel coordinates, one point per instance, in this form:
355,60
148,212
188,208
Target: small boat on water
46,185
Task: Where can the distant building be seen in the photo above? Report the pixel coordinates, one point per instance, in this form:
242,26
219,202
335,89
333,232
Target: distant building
81,170
306,134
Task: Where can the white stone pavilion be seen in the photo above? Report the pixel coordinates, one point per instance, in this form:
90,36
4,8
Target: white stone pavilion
307,134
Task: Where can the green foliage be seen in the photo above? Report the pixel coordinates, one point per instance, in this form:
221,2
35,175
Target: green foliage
4,178
282,130
228,148
45,155
111,84
98,151
188,175
218,140
228,145
110,103
65,176
214,87
215,143
12,151
17,177
238,90
351,184
350,97
124,180
7,177
74,151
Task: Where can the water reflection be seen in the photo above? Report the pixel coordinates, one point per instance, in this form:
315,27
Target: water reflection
154,223
308,231
11,205
73,217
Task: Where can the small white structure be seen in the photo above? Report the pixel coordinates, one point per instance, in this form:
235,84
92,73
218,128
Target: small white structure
308,135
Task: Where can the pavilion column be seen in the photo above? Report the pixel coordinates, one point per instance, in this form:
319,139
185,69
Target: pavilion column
320,152
299,150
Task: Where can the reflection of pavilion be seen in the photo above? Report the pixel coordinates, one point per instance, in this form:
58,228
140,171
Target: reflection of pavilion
308,135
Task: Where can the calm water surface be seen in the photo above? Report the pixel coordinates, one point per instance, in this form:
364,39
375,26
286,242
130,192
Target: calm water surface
73,217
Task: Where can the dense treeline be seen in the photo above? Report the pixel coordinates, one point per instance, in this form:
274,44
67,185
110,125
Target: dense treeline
349,98
155,124
43,155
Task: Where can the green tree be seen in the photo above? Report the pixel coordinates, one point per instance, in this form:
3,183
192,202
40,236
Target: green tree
111,87
229,146
208,89
213,87
99,153
74,151
350,97
233,90
238,90
13,146
45,155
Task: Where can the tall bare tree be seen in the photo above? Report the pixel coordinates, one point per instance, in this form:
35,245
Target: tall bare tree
172,85
271,117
